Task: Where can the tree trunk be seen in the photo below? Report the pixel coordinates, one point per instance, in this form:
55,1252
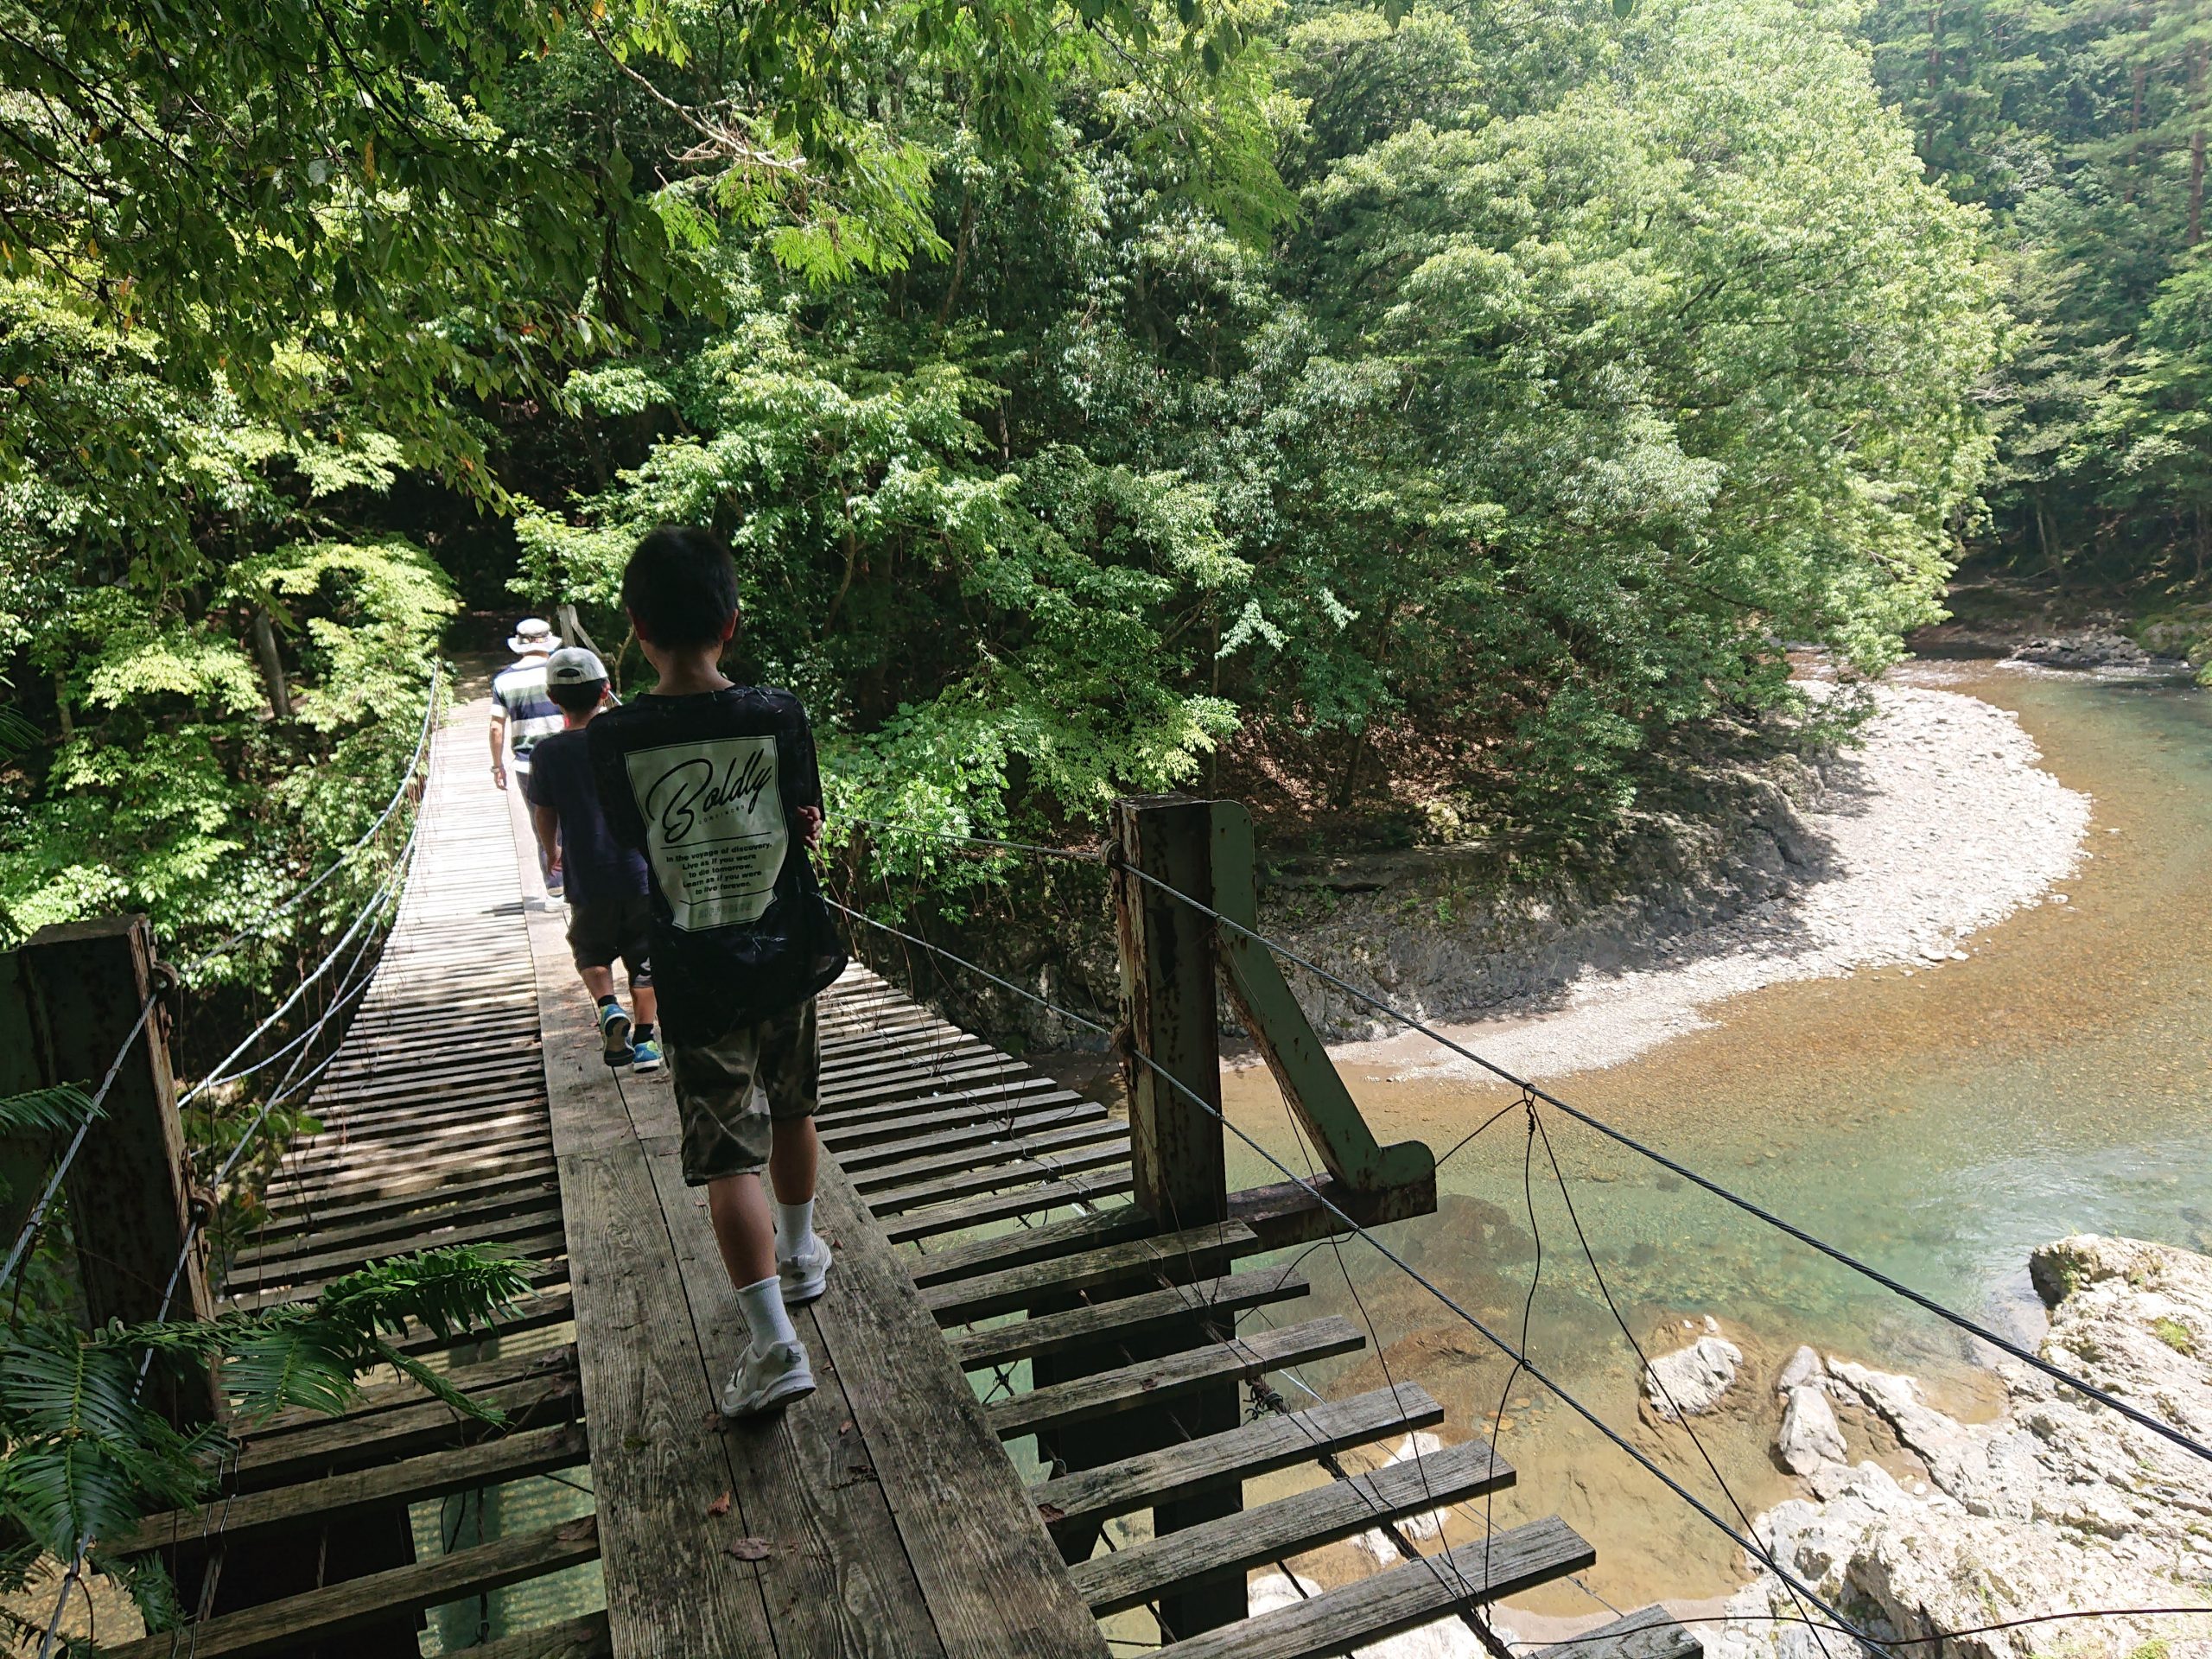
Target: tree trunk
272,666
2197,148
959,258
62,705
2135,131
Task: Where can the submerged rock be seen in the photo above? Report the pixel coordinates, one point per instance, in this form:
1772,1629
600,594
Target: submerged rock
2060,1505
1690,1381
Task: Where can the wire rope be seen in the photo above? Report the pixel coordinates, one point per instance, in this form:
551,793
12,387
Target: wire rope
1756,1551
1964,1322
414,764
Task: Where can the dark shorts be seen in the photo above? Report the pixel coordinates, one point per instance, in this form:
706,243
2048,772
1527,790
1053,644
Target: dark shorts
729,1092
601,930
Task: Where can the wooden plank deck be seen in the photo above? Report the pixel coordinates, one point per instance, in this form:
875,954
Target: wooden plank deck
979,1217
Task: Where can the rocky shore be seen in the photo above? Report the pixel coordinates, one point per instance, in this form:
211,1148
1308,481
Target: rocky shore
2059,1506
1940,823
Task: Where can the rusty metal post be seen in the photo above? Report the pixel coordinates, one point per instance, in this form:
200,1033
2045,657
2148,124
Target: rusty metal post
1170,1013
128,1195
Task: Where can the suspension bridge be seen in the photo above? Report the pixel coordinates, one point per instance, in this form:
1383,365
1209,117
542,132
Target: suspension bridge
1032,1412
1040,1404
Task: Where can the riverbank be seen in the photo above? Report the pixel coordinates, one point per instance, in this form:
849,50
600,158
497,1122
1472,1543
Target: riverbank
1895,853
2059,1506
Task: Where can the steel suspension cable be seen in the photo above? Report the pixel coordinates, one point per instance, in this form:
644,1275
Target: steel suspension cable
197,1223
1964,1322
1750,1547
400,794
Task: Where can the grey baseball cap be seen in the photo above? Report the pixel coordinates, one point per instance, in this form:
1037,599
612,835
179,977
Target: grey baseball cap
574,666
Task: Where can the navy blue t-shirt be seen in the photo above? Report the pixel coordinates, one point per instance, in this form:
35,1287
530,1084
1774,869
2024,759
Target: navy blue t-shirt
595,865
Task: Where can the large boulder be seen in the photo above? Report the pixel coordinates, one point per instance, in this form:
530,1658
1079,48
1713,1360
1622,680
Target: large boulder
2059,1506
1691,1380
1810,1434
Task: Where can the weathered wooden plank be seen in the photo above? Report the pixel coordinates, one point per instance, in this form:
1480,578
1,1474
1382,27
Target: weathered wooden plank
340,1443
992,1576
917,1224
1399,1599
646,1393
865,1158
1074,1502
295,1623
1334,1509
814,1485
311,1503
344,1196
1151,1381
1001,1104
1196,1253
356,1229
390,1397
1126,1317
1646,1633
989,1178
973,1258
935,1159
516,1232
920,1083
575,1638
543,1244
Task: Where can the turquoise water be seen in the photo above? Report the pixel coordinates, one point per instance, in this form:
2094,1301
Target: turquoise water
1939,1125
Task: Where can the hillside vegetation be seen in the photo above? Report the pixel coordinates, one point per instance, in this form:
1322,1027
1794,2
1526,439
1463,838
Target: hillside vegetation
1427,418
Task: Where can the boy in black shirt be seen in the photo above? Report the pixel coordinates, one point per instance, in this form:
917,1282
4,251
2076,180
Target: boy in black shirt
609,912
716,785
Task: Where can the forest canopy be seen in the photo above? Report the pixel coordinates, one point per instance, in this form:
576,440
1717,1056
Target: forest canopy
1421,416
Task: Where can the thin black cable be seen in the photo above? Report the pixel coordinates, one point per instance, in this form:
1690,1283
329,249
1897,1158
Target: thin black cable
1537,1130
1950,1315
415,761
1748,1545
36,1220
1528,1318
1073,854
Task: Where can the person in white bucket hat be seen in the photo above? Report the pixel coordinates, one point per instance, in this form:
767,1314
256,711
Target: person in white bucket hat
521,712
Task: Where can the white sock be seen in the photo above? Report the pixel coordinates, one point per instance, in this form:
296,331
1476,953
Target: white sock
794,1229
765,1316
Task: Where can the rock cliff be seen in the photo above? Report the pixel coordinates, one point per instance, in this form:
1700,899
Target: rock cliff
2060,1504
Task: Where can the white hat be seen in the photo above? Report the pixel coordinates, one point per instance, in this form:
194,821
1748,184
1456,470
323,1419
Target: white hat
531,635
574,666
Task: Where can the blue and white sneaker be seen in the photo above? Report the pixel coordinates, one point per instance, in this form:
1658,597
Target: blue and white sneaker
644,1055
614,1034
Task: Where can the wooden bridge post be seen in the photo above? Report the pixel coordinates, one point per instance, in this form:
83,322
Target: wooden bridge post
84,983
1169,1010
1169,1006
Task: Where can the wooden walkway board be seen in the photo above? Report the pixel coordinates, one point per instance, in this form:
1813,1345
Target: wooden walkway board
885,1519
980,1220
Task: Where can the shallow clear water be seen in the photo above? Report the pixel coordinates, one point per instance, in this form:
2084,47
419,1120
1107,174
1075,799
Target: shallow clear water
1940,1125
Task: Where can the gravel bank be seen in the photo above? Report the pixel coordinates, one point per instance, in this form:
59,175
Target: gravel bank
1941,824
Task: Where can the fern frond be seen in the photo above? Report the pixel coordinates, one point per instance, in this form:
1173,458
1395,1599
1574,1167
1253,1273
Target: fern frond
57,1110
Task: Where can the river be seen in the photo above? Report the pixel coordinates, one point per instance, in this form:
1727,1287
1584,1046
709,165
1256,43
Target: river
1939,1122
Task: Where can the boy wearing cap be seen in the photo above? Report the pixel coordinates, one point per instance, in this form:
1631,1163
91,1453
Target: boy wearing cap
716,785
609,914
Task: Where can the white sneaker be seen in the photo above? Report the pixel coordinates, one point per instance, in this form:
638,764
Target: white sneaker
767,1378
803,1274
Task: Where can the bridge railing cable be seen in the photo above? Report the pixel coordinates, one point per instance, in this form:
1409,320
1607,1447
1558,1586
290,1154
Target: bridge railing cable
1744,1540
253,930
391,884
1964,1322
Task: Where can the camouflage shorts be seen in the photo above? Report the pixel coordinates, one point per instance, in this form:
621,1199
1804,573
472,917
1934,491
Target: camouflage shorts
729,1091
